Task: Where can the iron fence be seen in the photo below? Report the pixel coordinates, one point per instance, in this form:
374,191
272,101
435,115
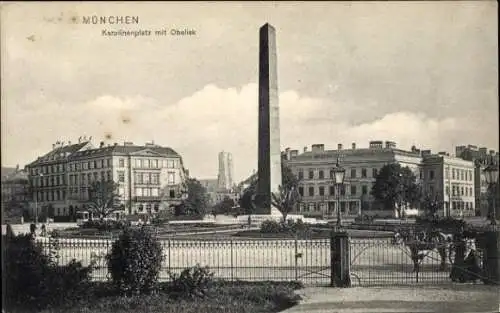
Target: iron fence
307,261
376,262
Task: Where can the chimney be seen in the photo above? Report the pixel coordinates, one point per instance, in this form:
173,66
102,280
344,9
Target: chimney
128,143
390,145
294,153
426,152
53,146
101,144
318,148
339,146
376,144
69,143
353,146
115,144
305,149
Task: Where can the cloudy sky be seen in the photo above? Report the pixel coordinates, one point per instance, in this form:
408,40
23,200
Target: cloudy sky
416,73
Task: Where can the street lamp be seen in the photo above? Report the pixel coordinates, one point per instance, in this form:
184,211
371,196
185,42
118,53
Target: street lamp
36,199
339,173
491,175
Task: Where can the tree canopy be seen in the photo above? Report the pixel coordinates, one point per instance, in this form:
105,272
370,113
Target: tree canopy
396,186
103,198
196,202
288,182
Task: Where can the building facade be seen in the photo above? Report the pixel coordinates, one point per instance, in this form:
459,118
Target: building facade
481,157
225,175
320,196
15,190
150,178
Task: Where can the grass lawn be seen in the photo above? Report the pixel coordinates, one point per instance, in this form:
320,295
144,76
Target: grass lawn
317,234
240,297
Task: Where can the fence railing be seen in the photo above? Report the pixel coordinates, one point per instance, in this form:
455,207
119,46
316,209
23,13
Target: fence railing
252,260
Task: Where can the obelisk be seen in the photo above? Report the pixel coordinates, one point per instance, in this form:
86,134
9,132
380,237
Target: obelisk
269,155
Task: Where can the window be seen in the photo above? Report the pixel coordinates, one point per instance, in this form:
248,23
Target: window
342,190
353,173
95,164
431,174
447,190
110,175
89,177
363,172
156,207
311,174
171,178
121,162
353,190
374,172
155,178
301,175
470,176
96,176
431,189
147,163
154,164
301,191
447,173
121,176
454,191
470,192
146,192
321,174
311,191
170,164
332,190
462,175
172,193
121,191
154,192
321,190
462,189
364,190
145,176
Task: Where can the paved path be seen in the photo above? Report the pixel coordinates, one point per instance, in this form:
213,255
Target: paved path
415,299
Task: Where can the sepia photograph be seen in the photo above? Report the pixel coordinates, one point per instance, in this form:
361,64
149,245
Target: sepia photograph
250,157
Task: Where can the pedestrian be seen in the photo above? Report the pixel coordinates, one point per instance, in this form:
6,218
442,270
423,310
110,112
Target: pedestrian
43,233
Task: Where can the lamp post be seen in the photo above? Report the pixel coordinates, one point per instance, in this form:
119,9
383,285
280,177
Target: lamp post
491,175
339,181
36,198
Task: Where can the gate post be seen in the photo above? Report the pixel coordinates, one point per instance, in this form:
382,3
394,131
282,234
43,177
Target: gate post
340,261
491,258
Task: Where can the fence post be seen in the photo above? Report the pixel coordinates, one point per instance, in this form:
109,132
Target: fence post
169,268
296,259
232,277
491,261
340,260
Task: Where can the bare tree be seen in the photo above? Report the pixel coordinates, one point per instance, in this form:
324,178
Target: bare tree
285,200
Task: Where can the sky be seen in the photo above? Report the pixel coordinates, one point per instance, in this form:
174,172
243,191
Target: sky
417,73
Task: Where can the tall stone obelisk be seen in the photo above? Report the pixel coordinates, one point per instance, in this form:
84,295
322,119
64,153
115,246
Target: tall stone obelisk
269,173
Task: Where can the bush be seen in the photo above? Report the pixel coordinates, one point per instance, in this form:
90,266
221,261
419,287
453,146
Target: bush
106,225
34,281
135,261
193,281
270,226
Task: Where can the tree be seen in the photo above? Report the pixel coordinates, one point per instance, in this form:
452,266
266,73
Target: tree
224,207
197,199
431,204
103,198
288,181
395,186
285,199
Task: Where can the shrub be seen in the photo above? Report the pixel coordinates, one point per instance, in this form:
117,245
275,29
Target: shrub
135,261
193,281
105,225
34,280
270,226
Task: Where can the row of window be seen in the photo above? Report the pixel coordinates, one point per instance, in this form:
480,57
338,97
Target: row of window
321,174
460,191
459,174
104,163
461,205
147,178
332,190
147,192
352,207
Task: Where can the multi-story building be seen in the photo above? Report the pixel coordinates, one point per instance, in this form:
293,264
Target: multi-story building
15,189
317,186
150,177
481,157
451,181
225,177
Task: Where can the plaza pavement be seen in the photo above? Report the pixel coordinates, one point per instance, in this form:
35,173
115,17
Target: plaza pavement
453,298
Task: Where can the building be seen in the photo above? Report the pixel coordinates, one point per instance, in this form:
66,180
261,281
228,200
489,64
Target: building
15,190
451,181
481,157
226,170
211,186
314,169
150,177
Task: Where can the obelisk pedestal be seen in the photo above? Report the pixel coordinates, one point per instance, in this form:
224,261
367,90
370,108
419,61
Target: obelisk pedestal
269,155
